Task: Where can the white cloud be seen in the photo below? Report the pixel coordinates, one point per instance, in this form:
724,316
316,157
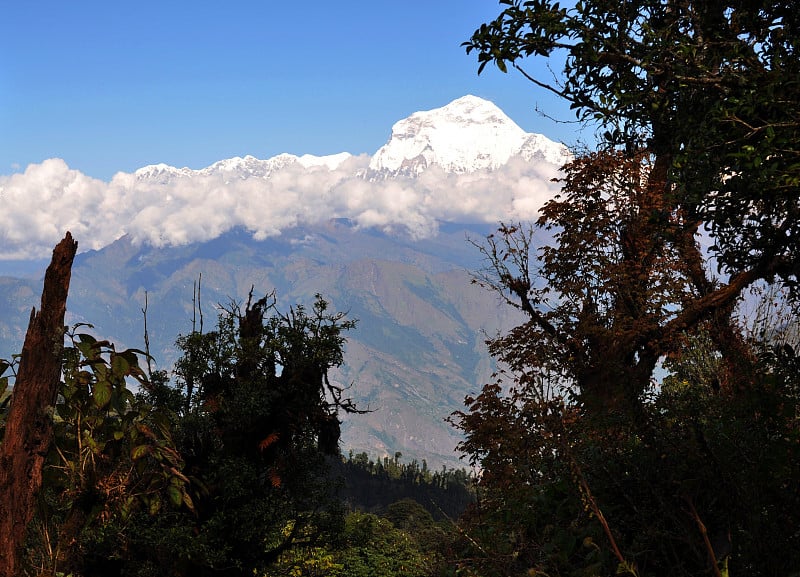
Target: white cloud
40,204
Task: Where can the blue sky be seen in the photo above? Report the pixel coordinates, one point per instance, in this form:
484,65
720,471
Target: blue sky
113,86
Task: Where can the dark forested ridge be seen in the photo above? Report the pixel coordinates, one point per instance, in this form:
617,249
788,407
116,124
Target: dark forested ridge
373,486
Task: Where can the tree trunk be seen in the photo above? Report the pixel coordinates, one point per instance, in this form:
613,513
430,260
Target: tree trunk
29,429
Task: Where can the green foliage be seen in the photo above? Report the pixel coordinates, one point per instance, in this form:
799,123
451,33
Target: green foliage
377,548
709,88
375,485
562,491
113,458
255,418
220,474
370,546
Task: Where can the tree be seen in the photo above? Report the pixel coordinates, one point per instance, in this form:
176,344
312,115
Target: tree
708,88
370,546
666,82
257,419
614,293
29,430
588,464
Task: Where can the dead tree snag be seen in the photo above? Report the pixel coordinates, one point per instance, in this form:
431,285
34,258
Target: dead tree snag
29,430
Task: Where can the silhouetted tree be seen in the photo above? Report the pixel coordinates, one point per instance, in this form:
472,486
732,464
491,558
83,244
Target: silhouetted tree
258,423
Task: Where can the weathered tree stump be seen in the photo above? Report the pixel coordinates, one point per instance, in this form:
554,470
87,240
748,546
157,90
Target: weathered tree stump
29,428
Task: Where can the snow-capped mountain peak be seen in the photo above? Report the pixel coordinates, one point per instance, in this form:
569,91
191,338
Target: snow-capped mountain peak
467,135
464,162
249,166
161,173
241,168
252,166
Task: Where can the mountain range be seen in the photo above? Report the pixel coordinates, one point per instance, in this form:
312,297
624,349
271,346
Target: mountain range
468,135
382,237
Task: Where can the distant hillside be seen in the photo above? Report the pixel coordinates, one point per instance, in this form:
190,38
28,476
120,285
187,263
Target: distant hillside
417,351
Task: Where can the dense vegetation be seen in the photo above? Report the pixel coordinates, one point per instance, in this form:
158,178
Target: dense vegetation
231,467
639,424
594,462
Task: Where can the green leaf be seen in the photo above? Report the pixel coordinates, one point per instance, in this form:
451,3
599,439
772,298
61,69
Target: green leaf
126,508
155,505
187,500
175,495
140,451
101,393
86,349
120,366
101,370
86,338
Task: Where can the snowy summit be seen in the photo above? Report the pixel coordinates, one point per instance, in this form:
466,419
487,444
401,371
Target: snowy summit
467,135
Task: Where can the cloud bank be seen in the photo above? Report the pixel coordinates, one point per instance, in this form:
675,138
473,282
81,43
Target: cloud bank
40,204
